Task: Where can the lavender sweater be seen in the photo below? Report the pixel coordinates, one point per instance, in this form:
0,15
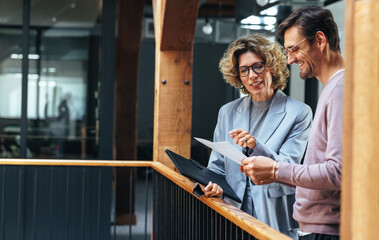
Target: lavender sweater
318,181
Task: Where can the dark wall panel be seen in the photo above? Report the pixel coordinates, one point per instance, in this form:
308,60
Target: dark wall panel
210,92
57,203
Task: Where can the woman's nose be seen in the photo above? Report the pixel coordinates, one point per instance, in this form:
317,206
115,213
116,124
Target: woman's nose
252,74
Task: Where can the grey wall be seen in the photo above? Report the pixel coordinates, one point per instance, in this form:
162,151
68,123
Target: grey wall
210,91
297,86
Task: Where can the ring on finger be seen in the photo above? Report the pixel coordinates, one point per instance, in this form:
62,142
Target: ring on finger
245,139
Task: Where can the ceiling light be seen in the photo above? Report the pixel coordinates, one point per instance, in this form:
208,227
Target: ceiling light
31,76
49,84
20,56
269,27
207,28
262,2
251,20
272,11
259,20
269,20
252,27
52,70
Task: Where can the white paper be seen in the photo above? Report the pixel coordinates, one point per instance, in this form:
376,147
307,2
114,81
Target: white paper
225,148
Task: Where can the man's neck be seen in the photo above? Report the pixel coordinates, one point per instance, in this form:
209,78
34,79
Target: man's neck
331,63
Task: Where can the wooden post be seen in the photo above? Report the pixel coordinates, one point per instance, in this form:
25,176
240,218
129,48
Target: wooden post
128,43
174,22
360,186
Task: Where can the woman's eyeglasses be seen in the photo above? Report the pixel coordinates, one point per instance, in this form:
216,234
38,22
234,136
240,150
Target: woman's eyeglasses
257,67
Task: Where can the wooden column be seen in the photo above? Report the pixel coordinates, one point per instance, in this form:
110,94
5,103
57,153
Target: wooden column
174,22
128,43
360,186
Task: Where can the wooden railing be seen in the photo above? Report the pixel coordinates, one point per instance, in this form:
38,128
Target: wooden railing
237,217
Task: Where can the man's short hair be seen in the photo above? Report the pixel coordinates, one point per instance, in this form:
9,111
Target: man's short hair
311,20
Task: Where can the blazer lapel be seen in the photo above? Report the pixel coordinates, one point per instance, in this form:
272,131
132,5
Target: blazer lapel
241,115
275,116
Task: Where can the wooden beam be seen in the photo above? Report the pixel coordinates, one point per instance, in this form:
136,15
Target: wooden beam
215,11
360,186
175,23
178,24
173,105
128,44
346,195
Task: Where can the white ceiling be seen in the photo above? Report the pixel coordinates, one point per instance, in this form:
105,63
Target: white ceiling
46,13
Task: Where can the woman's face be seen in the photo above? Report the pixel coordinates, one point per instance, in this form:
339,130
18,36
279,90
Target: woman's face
258,84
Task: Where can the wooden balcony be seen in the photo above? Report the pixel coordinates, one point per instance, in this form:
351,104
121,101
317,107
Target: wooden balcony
177,213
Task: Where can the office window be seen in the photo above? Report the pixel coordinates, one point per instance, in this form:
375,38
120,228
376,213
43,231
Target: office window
63,79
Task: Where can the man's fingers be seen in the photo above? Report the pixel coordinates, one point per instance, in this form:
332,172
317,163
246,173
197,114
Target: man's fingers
245,161
248,161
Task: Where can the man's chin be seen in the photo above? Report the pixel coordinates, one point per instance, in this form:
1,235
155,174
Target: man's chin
306,75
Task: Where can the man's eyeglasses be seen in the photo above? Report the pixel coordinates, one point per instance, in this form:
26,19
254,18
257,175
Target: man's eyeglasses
294,48
257,67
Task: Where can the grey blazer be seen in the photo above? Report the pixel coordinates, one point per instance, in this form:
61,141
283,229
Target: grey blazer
283,137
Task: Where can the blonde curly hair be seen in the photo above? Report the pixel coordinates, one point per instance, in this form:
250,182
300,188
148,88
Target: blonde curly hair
270,52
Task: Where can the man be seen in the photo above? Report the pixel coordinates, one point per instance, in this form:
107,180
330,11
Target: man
311,41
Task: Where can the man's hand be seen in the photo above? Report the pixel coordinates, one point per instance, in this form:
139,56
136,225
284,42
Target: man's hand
212,190
259,169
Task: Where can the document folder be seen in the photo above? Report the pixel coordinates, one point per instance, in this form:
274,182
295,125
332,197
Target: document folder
195,171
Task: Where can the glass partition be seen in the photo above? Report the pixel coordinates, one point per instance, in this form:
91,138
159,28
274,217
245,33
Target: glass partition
63,79
10,78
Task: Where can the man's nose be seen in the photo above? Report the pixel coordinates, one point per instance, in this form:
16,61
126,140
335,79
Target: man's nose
291,58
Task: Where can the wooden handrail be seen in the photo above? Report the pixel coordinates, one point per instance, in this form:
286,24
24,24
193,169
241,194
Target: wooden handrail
243,220
84,163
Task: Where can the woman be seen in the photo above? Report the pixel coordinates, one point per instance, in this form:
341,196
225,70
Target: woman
266,122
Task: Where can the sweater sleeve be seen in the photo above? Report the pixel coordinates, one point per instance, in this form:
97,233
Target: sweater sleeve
322,165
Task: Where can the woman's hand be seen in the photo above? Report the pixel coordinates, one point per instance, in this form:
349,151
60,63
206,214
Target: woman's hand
243,138
212,190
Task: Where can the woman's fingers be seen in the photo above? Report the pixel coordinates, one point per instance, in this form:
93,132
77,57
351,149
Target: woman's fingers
213,190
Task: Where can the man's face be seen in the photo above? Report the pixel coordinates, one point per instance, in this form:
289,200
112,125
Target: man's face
302,53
